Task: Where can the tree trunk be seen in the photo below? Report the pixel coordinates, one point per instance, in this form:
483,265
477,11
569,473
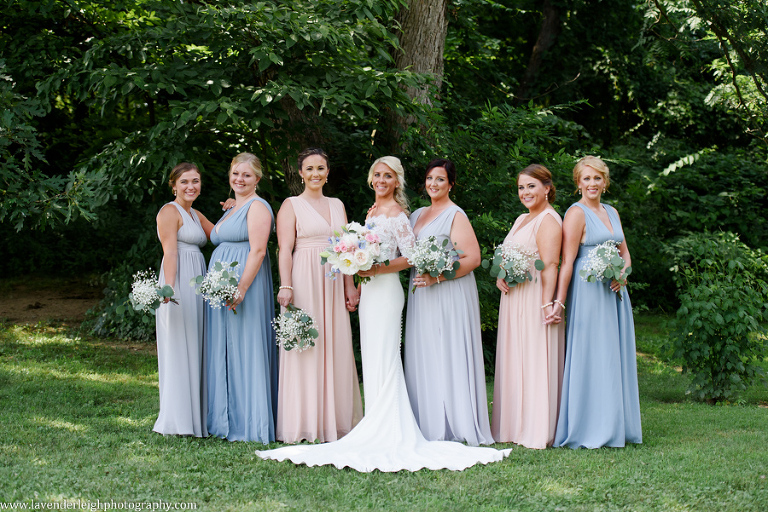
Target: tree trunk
550,29
423,27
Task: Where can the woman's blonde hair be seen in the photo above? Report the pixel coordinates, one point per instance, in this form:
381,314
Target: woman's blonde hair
393,163
596,164
253,162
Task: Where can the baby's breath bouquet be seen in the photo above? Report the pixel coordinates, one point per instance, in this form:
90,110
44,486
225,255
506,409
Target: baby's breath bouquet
512,263
219,286
605,262
146,295
430,257
295,329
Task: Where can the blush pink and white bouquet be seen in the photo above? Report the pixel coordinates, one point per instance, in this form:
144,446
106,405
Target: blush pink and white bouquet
354,248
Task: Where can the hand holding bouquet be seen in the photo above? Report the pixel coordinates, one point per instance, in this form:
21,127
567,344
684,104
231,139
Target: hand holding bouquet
146,295
512,263
431,258
355,248
219,286
605,262
295,329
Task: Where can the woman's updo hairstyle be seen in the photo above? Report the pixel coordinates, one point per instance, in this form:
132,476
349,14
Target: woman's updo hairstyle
180,169
541,173
309,152
596,164
450,169
253,162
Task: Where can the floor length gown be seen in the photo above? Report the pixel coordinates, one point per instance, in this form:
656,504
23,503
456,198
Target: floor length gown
319,391
179,329
242,355
387,438
529,355
444,368
600,404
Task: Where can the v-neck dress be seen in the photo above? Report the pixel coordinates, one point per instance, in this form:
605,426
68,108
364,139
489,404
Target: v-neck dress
319,391
600,404
179,329
241,350
529,355
444,369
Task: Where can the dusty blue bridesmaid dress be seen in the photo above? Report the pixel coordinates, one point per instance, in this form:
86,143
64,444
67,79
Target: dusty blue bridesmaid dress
242,366
600,404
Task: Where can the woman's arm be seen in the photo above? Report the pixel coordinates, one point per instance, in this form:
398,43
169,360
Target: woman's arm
168,223
549,239
624,253
286,240
351,293
205,223
259,226
573,231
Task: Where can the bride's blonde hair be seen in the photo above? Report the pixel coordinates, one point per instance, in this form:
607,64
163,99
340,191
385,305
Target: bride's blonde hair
393,163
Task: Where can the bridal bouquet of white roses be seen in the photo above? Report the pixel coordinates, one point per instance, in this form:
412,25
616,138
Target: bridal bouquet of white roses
512,263
219,286
430,257
605,262
295,329
146,295
354,248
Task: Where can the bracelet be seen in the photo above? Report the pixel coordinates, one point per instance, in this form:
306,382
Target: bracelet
285,287
561,304
546,305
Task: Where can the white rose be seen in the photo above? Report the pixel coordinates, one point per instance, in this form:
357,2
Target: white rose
363,260
355,226
346,264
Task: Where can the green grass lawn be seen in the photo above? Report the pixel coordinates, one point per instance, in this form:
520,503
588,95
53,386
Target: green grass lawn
77,415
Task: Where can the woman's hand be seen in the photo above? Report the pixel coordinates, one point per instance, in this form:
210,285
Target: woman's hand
240,297
618,284
228,204
553,314
285,297
371,272
352,298
502,285
425,280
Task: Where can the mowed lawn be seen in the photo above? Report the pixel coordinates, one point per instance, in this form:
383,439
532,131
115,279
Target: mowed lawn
77,414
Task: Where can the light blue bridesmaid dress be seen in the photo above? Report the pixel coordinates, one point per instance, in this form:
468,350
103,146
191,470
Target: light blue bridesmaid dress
242,366
600,403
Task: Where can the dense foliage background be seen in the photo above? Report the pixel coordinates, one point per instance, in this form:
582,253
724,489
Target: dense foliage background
100,99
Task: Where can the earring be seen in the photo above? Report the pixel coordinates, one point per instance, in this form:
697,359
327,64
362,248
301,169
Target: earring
579,191
174,192
450,188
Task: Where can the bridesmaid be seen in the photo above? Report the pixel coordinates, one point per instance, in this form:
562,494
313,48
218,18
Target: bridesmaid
182,232
319,392
529,347
444,368
600,404
241,351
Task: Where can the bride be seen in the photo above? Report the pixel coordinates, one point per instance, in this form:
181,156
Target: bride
388,437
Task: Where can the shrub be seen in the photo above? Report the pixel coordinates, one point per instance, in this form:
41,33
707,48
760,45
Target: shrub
722,290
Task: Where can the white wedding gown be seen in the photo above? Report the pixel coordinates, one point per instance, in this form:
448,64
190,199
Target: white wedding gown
388,437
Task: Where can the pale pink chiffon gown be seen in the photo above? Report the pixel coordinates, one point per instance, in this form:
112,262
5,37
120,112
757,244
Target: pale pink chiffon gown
529,356
318,392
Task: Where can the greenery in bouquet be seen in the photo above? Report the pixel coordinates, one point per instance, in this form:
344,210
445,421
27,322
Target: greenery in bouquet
295,329
512,263
433,258
219,286
146,296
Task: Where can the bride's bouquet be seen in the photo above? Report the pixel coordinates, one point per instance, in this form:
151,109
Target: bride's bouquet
146,295
295,329
431,258
219,286
605,262
512,263
354,248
